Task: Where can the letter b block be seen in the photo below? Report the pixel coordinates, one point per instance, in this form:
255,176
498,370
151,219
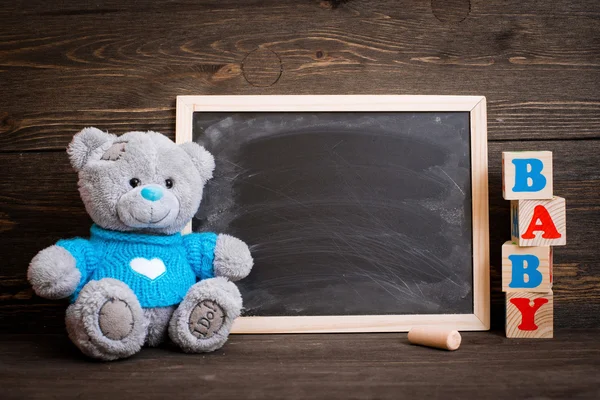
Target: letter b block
529,315
539,222
526,175
526,269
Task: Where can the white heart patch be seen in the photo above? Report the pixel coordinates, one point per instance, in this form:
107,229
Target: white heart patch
149,268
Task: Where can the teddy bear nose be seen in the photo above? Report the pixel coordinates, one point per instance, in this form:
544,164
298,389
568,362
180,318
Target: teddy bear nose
152,193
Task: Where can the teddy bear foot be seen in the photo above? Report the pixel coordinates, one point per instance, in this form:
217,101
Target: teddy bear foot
107,321
203,320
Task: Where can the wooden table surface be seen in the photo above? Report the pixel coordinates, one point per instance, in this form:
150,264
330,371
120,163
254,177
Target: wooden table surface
336,366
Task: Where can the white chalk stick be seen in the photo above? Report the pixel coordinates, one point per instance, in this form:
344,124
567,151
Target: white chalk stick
441,338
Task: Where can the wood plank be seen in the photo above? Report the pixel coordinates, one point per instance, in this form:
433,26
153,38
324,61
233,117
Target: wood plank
557,8
382,366
39,204
80,65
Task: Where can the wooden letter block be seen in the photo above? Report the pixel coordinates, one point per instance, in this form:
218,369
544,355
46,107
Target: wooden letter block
529,315
527,175
539,222
526,269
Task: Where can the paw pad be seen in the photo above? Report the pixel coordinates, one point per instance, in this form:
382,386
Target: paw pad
115,319
206,319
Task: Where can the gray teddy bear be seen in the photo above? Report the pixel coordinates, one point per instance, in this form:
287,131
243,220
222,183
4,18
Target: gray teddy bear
137,277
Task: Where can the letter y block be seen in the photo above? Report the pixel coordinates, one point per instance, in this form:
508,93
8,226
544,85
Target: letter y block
529,315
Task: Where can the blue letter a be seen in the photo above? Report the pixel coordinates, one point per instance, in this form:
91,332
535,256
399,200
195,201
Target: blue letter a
522,175
525,264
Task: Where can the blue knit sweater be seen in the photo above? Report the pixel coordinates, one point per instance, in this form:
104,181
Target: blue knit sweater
159,269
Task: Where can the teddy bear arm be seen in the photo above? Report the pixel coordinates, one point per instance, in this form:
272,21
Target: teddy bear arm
232,258
53,273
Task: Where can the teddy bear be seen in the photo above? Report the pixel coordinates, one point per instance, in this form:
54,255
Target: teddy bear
137,278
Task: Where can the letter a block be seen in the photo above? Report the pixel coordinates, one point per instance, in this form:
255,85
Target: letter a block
529,315
539,222
526,268
526,175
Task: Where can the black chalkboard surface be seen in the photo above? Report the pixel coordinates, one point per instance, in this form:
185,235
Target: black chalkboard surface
347,214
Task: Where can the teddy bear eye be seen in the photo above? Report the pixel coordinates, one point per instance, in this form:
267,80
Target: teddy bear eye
134,182
169,183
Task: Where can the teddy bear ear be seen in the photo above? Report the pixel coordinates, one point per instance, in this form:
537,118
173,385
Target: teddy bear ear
83,145
202,159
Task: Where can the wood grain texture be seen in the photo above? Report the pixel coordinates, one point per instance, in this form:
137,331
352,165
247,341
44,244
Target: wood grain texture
262,67
335,103
81,64
542,321
549,217
72,64
543,254
356,323
509,172
480,205
343,366
451,11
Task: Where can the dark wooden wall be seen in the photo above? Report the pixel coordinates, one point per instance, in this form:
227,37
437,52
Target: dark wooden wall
118,66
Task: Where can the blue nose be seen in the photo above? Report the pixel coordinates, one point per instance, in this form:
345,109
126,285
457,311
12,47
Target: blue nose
152,193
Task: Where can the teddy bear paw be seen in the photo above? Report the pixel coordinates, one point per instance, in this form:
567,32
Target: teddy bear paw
115,319
206,319
232,258
53,273
203,320
106,321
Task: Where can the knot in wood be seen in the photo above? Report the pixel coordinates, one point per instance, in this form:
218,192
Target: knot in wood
451,11
262,67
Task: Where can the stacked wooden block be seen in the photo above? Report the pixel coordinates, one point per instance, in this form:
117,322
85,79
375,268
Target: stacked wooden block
538,223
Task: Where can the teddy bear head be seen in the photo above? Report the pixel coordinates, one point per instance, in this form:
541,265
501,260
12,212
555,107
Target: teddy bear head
139,181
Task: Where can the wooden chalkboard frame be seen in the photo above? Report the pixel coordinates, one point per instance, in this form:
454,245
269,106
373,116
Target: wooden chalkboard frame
475,105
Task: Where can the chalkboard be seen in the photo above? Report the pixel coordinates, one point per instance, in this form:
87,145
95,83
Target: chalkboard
347,213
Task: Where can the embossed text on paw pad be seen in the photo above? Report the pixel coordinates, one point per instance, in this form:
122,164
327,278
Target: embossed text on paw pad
206,319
